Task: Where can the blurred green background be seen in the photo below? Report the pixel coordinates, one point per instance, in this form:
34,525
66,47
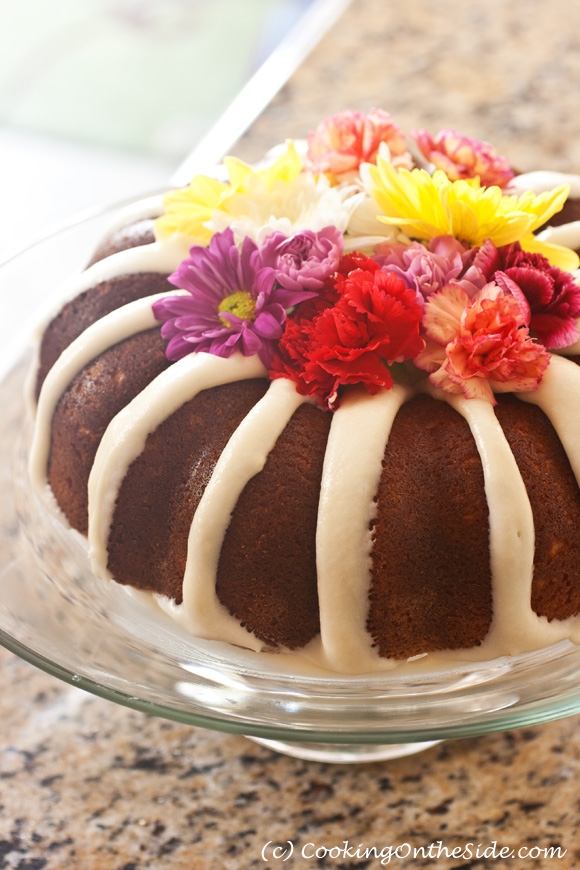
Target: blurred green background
102,99
145,75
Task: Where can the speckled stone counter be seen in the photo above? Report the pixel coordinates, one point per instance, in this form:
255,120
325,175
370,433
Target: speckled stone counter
86,785
506,71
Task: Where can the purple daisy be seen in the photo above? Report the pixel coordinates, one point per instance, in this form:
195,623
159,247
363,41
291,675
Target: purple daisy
233,302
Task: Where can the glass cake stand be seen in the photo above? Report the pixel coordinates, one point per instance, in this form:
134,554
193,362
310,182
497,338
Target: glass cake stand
100,637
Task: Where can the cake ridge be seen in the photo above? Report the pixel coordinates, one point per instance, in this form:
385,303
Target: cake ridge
511,525
350,481
130,319
243,457
127,433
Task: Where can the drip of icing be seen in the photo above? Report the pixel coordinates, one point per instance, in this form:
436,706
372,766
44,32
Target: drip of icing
515,627
125,437
543,180
511,528
567,235
243,457
358,437
572,349
149,207
120,324
162,257
557,396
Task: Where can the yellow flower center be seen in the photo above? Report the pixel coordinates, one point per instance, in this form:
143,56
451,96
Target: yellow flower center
239,303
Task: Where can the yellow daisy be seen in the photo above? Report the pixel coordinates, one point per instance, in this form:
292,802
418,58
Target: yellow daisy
426,206
188,209
285,168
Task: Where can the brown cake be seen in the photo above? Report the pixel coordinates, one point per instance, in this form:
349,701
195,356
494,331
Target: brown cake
354,440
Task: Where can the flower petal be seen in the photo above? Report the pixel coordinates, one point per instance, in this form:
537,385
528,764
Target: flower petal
443,312
268,325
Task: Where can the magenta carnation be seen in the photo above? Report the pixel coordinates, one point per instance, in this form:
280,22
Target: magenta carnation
428,269
303,261
233,302
552,295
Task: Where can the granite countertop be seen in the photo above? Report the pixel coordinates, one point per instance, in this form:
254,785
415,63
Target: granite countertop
88,785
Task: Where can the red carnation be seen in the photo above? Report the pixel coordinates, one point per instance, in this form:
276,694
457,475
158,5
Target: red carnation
350,262
293,353
294,347
374,322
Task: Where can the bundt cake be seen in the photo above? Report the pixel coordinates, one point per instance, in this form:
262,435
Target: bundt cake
331,405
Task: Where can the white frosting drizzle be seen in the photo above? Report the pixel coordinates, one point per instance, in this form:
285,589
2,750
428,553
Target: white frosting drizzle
352,469
511,527
126,434
572,349
149,207
543,180
515,627
159,257
558,397
120,324
162,257
243,457
349,483
567,235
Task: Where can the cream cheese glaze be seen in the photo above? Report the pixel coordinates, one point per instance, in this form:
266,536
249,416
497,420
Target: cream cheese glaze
542,180
142,209
352,468
243,457
135,317
350,480
567,235
126,434
511,526
162,257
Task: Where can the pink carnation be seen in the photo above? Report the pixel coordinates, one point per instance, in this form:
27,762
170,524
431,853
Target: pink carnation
305,260
427,269
476,346
343,141
461,157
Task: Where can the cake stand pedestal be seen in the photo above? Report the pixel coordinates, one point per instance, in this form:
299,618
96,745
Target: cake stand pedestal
344,753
